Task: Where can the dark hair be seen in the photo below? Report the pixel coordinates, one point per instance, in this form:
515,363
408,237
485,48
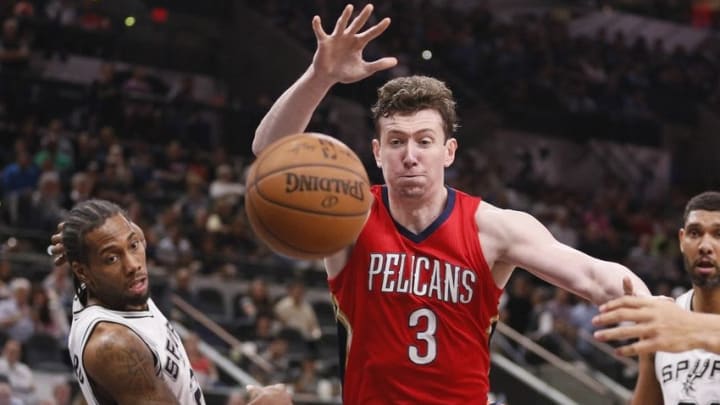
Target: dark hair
407,95
707,201
82,219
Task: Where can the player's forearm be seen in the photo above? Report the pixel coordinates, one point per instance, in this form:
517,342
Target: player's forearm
608,284
291,113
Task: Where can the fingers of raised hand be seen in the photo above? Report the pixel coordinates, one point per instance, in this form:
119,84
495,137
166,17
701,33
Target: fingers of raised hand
374,31
320,33
342,21
360,20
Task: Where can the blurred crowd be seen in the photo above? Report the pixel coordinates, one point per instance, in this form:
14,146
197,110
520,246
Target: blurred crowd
152,147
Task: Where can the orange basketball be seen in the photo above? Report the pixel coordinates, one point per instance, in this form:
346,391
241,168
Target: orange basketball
307,196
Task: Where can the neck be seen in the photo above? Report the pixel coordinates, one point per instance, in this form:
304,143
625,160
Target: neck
706,299
416,214
126,308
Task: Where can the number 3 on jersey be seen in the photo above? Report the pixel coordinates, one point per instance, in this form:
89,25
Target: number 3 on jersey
427,335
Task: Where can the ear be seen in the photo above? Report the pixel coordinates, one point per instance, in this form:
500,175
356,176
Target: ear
376,152
450,148
681,237
80,271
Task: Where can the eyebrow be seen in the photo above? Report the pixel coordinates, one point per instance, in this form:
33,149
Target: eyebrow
418,132
113,245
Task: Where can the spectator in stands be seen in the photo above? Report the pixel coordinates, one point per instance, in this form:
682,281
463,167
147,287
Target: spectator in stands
59,283
22,175
53,156
48,315
205,371
295,312
224,184
172,169
174,249
105,101
193,200
14,50
115,180
81,188
7,397
63,12
46,205
19,375
257,301
15,313
516,312
307,380
62,393
276,353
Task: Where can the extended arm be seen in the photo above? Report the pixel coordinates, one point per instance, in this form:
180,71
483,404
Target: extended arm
122,367
660,324
518,238
338,59
647,388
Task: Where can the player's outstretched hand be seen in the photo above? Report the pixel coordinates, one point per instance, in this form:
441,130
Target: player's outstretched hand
339,55
271,395
658,323
56,248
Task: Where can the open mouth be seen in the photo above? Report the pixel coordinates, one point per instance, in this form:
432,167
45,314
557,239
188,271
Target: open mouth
138,285
705,265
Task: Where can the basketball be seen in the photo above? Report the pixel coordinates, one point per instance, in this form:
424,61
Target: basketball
307,196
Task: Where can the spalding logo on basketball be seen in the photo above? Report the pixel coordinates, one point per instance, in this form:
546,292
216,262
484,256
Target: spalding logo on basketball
308,196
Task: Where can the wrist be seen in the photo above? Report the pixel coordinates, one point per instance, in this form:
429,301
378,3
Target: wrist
319,80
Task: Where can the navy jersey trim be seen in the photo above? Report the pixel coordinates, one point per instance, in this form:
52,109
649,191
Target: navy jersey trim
420,237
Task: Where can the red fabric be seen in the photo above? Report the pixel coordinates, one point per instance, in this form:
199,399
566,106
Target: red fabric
388,278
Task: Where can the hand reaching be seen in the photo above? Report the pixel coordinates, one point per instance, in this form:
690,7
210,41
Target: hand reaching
658,322
339,55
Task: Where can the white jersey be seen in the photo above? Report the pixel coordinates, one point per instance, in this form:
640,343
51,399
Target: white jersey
691,377
171,362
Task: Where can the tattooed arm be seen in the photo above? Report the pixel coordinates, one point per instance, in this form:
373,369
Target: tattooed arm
121,368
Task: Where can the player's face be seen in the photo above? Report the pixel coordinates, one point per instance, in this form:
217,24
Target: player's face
117,273
700,245
413,153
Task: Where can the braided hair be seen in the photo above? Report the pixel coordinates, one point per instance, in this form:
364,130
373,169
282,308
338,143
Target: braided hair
82,219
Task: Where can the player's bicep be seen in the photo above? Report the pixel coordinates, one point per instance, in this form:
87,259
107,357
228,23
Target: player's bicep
531,246
647,388
123,367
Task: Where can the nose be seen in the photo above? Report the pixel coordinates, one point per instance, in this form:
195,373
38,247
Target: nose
133,262
410,156
706,245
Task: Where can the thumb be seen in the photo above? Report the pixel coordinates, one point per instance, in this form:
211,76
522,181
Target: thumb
381,64
628,286
252,391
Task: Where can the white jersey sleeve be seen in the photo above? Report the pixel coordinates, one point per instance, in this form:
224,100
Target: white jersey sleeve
171,362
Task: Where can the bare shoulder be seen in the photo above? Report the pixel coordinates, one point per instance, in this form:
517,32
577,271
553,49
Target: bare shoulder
495,220
116,357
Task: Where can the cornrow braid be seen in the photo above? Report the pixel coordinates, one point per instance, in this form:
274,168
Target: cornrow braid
82,219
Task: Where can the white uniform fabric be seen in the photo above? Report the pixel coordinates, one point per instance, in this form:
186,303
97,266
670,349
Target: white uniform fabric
171,361
688,378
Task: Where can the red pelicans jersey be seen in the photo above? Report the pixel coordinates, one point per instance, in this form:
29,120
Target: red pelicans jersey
418,309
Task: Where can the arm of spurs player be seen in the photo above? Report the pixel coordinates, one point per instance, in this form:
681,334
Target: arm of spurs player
520,239
122,367
647,389
338,59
